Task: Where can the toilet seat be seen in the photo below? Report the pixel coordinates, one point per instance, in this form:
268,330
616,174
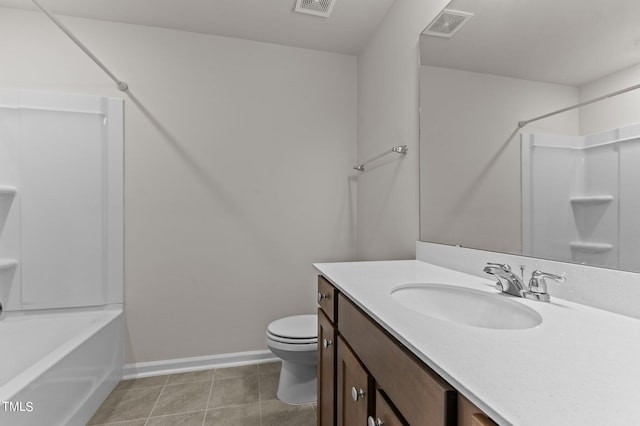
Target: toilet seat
291,341
296,329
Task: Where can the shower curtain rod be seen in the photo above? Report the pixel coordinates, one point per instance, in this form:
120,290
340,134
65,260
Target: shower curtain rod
122,86
523,123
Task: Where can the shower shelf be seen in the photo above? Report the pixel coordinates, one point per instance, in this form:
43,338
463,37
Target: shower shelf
594,199
586,247
7,191
8,264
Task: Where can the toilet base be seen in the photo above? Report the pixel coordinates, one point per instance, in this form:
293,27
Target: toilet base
298,383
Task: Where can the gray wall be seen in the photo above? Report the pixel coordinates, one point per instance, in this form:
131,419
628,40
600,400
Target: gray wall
237,157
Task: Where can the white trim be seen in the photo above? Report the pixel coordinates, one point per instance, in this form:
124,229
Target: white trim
183,365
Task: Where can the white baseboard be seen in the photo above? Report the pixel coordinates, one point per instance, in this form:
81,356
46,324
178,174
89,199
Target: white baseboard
183,365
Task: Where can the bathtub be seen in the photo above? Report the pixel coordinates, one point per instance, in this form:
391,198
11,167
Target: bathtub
58,366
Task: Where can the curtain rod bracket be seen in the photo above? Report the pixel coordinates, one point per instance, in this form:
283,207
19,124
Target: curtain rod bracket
400,149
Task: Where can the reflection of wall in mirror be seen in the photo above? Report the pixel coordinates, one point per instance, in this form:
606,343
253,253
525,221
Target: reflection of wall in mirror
620,111
469,174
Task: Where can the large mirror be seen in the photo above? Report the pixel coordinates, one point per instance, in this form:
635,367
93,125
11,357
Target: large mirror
496,176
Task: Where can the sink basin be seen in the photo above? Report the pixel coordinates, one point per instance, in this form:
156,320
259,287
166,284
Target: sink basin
466,306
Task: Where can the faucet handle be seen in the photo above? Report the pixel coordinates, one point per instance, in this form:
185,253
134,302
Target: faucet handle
502,266
538,284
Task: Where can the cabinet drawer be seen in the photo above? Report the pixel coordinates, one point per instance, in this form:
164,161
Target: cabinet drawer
327,298
420,395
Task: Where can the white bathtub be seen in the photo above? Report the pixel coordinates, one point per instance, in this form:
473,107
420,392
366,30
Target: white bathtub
57,367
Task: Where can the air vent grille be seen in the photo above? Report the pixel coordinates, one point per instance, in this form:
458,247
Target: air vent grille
315,7
447,23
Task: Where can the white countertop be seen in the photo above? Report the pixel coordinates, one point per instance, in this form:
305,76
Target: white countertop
581,366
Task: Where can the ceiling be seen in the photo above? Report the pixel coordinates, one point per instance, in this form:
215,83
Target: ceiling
568,42
350,26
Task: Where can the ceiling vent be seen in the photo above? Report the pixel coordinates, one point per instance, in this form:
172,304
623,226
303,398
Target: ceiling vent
447,23
321,8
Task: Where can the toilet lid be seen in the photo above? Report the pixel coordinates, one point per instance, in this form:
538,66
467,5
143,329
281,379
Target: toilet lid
295,327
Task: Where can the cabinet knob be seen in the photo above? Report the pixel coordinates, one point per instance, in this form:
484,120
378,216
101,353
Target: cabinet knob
357,394
322,296
326,343
372,422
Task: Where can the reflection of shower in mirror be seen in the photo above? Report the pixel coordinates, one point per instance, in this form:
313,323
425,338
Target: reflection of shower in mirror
573,189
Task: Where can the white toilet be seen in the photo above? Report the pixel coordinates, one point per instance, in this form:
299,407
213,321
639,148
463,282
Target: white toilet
295,341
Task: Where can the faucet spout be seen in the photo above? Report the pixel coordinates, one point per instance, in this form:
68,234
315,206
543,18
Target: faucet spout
508,282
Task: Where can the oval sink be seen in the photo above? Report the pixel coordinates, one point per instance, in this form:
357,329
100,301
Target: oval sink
466,306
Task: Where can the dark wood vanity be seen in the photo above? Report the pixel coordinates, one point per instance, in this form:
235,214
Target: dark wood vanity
367,377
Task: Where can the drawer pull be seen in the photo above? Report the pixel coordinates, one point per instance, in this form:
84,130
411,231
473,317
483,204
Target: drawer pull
322,296
326,343
371,422
357,394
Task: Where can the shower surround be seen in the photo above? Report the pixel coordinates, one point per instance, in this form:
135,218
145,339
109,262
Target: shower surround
61,255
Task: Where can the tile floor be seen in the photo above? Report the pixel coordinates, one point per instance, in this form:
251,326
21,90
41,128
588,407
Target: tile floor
236,396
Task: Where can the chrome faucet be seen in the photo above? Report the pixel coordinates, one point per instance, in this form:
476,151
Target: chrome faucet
510,283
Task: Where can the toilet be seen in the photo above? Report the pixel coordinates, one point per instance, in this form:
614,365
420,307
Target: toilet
295,341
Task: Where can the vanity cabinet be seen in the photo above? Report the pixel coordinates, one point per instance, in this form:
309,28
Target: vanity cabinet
367,377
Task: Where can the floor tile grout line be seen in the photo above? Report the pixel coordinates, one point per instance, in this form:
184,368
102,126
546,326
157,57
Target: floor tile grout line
213,378
162,415
187,383
157,399
232,406
182,412
136,389
259,397
178,413
120,422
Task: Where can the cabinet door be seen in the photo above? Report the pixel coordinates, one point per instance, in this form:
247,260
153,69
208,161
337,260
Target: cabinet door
385,415
354,385
326,371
